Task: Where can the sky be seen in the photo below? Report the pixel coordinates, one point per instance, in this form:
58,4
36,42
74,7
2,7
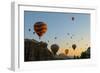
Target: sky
62,26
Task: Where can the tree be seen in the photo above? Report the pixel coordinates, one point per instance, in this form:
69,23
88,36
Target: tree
85,54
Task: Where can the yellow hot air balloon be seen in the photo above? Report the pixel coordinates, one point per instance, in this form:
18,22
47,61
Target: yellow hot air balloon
66,51
40,28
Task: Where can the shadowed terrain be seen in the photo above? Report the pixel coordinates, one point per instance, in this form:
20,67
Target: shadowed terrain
38,51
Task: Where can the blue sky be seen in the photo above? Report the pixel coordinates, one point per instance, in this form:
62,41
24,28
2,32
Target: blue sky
59,24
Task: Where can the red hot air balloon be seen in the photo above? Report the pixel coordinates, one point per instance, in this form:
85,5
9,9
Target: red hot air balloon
40,28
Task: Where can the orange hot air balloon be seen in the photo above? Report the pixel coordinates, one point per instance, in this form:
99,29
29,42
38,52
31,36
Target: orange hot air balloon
66,51
40,28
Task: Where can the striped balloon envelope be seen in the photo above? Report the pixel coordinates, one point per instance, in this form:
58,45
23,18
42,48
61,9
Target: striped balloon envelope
40,28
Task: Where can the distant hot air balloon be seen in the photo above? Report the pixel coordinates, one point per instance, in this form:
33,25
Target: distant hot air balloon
73,18
68,34
40,28
71,37
33,32
54,48
66,51
74,46
55,38
29,29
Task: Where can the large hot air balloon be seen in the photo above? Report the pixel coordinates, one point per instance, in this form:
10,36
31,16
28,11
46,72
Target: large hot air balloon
74,46
40,28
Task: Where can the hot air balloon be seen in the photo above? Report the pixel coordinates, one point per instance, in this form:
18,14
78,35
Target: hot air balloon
29,29
73,18
74,46
55,38
66,51
54,48
68,33
40,28
33,32
71,37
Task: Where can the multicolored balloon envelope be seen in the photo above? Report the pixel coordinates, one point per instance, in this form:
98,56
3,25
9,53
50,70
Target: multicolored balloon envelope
40,28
